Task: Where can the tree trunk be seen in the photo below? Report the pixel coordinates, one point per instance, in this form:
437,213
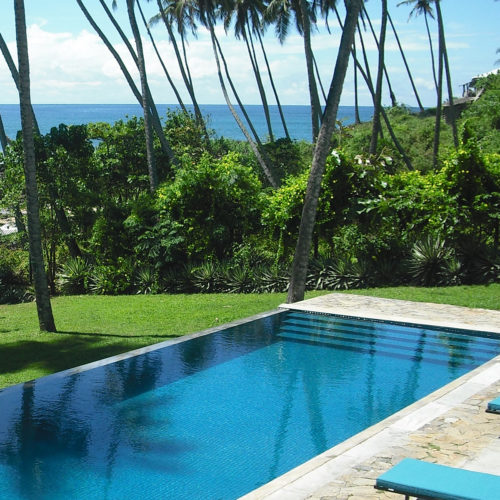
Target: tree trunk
406,64
44,308
15,76
322,149
378,88
437,126
165,70
255,67
148,132
429,37
267,173
275,92
448,76
379,43
357,119
4,140
313,89
154,113
186,77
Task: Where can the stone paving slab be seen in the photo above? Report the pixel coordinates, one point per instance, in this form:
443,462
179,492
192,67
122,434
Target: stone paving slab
422,313
450,426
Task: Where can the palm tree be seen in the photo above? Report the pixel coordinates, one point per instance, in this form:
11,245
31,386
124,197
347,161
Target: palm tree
424,7
15,75
148,131
405,62
156,123
168,13
44,308
444,54
4,140
321,151
247,19
376,126
279,12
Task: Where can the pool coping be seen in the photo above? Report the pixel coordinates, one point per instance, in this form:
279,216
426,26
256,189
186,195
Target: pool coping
305,479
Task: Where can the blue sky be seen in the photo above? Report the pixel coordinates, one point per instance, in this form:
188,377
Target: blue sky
69,64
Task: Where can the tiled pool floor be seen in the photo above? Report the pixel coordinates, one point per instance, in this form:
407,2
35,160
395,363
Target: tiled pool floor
449,426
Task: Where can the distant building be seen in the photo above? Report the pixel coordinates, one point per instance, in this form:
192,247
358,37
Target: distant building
469,94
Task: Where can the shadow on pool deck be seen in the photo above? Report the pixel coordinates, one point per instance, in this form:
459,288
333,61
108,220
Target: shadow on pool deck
449,426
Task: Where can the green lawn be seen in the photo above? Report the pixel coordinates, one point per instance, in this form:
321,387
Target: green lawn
96,327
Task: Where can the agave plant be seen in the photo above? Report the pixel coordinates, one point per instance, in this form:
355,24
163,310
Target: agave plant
73,276
208,277
146,280
428,261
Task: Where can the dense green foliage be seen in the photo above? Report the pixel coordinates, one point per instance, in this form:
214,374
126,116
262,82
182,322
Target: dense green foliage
214,225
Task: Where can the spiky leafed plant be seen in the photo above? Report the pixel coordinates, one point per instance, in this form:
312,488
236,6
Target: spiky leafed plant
428,260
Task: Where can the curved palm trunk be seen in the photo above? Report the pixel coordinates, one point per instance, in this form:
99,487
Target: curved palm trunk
321,151
316,70
379,43
255,67
357,119
275,92
313,89
186,77
4,140
378,89
15,76
254,147
447,69
437,126
148,132
433,62
165,70
154,112
405,63
44,308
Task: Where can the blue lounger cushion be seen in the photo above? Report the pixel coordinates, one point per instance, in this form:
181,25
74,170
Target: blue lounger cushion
427,480
494,405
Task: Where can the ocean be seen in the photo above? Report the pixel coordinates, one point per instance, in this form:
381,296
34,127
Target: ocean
219,117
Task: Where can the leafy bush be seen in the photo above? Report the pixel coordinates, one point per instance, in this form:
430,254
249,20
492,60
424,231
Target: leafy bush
111,279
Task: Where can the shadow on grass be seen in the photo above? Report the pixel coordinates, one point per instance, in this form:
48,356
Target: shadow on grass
96,334
67,351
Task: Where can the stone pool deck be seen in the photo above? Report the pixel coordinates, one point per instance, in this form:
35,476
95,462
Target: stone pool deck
450,426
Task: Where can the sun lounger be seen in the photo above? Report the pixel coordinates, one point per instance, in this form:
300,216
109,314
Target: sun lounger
494,406
425,480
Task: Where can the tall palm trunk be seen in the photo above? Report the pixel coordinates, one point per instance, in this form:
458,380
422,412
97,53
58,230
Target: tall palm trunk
148,131
444,55
437,126
405,63
44,308
154,112
321,151
184,68
275,92
378,44
4,140
260,85
431,48
15,76
357,119
256,150
313,89
158,55
378,88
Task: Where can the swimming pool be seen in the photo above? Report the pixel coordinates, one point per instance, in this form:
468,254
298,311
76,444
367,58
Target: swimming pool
221,414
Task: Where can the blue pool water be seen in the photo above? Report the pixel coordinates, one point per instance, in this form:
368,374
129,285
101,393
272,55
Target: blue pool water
221,414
